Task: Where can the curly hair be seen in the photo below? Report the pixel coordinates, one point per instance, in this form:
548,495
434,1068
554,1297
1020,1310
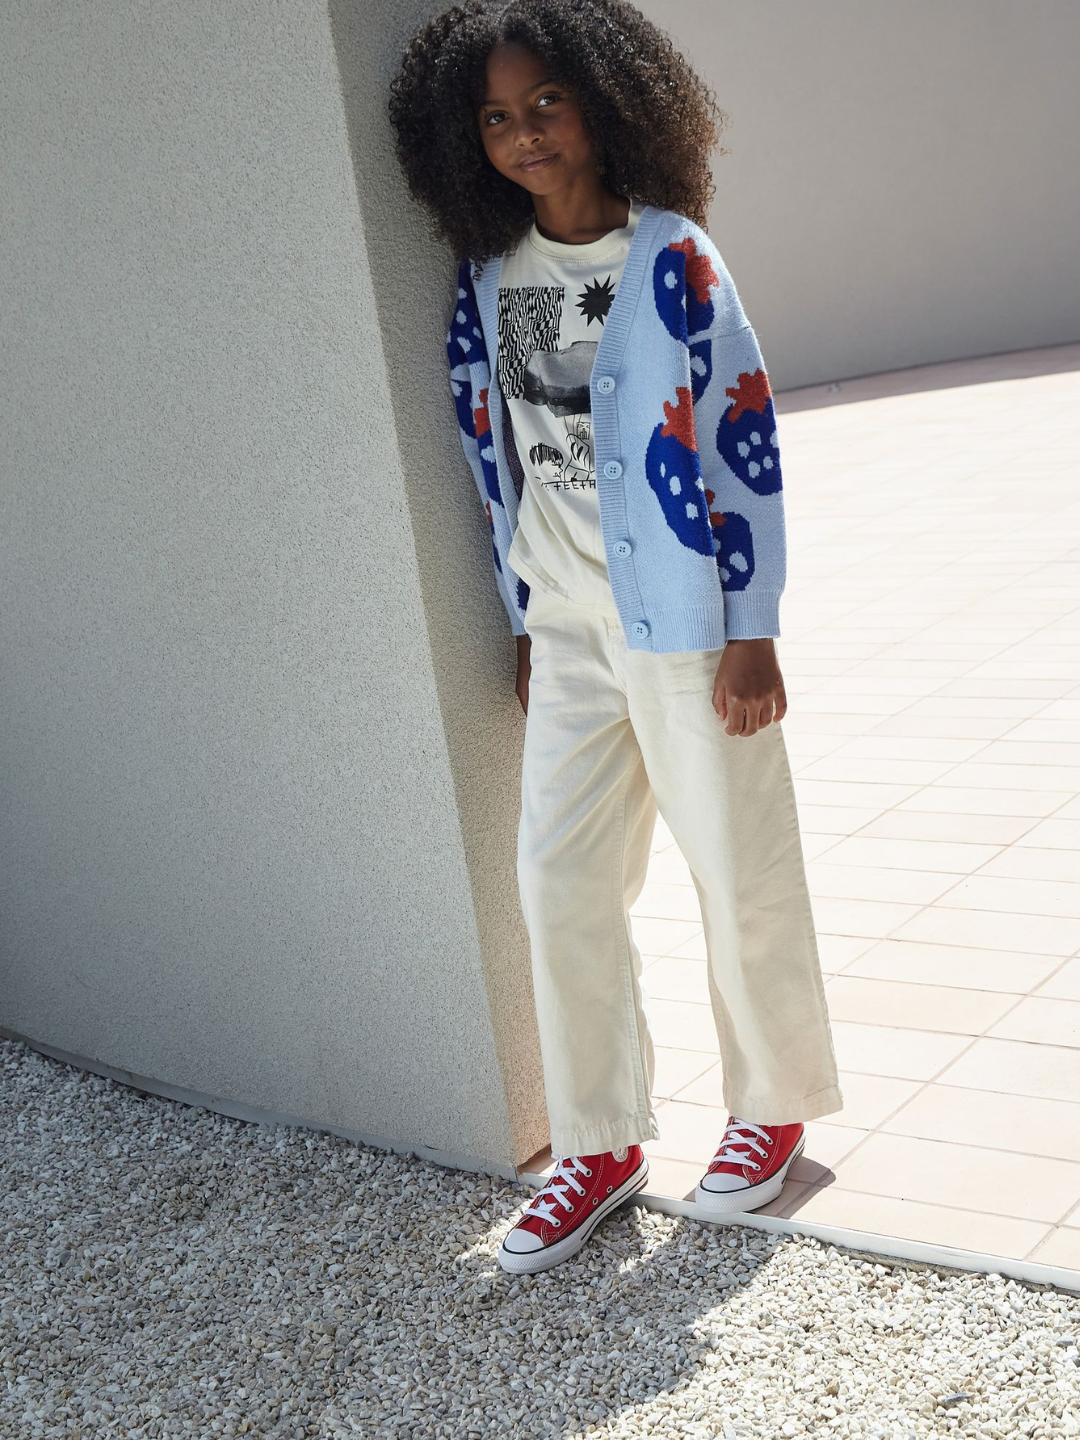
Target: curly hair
650,117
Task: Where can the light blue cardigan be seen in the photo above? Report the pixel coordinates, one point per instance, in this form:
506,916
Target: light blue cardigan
684,437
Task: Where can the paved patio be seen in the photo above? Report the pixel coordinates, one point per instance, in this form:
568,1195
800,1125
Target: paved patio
931,652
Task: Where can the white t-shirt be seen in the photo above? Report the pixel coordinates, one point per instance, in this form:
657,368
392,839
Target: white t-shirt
553,303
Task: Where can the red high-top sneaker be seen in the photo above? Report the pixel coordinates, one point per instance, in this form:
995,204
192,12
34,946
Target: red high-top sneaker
750,1166
560,1218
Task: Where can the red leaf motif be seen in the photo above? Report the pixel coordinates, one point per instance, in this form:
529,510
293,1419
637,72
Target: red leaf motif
751,393
699,269
480,414
679,419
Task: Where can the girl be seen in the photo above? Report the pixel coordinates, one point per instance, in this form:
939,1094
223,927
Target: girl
618,420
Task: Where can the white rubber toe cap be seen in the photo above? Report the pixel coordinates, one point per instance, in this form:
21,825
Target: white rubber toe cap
721,1183
522,1242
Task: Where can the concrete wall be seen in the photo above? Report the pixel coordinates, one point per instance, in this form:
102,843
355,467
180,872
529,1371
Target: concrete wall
259,758
258,741
901,184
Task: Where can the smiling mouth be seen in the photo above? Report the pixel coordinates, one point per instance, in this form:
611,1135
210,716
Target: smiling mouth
537,162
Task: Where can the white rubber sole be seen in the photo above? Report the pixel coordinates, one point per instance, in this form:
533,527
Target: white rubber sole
738,1202
534,1260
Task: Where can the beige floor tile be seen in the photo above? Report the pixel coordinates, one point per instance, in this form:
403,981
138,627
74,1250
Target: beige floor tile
920,825
979,800
1027,862
838,820
871,918
938,810
869,1099
954,1009
1057,778
956,965
1014,1067
1018,1123
955,859
911,1220
888,772
883,743
687,1132
1041,1019
1025,897
1009,709
673,1179
783,1204
1064,985
833,726
1043,727
866,882
1060,1247
1055,833
669,867
851,795
816,845
660,937
682,1025
678,1068
667,902
901,1054
996,930
974,730
804,749
834,701
969,1177
837,952
671,979
826,1146
693,948
1012,751
705,1089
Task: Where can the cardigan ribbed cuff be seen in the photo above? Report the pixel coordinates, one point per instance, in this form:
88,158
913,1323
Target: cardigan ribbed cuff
752,614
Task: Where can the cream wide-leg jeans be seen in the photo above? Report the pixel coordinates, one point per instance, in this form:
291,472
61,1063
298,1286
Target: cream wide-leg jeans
612,736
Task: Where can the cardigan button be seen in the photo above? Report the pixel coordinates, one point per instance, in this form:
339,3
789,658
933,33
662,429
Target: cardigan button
639,629
622,547
613,469
606,384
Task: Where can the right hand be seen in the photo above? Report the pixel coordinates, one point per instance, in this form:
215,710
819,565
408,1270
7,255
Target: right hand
524,667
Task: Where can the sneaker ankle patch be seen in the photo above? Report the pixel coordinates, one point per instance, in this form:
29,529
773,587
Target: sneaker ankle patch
620,1155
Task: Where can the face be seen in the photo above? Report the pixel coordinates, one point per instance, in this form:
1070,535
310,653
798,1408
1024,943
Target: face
531,126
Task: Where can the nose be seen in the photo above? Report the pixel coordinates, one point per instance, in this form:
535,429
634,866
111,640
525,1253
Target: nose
527,131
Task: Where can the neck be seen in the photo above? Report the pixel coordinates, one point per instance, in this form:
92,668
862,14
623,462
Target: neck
574,216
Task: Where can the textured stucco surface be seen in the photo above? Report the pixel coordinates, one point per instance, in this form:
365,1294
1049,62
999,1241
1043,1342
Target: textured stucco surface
232,838
899,184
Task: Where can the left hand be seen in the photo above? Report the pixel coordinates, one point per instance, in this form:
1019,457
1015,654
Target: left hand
748,686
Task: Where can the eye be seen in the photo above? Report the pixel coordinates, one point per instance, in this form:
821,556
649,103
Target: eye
549,95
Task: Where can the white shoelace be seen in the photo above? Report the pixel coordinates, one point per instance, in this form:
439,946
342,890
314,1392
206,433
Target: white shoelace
729,1147
568,1168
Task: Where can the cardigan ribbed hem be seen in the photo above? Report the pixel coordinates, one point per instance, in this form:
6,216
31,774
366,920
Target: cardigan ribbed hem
684,627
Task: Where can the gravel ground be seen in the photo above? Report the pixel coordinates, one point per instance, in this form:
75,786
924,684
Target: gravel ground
168,1271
